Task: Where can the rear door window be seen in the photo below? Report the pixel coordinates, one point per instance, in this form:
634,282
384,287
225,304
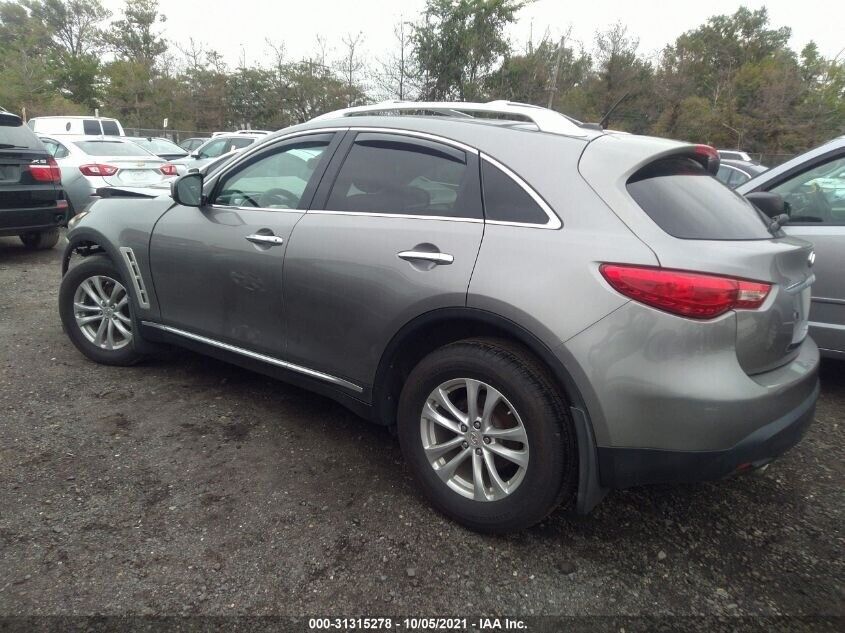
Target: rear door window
392,174
91,126
687,202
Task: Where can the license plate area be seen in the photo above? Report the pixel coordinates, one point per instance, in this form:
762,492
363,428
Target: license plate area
10,173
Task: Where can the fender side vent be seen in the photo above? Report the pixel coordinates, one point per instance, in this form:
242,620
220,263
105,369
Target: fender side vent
137,279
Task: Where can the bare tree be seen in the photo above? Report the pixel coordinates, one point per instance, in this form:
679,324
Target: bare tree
351,65
395,77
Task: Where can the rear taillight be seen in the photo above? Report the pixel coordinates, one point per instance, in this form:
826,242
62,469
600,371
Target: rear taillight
168,169
46,170
98,169
693,295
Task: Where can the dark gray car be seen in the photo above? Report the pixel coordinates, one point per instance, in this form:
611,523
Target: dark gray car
544,311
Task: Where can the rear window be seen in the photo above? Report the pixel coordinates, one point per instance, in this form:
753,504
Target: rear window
91,126
684,200
159,146
111,148
18,137
110,128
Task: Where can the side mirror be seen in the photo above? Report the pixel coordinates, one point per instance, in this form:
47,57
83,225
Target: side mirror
195,155
771,204
187,190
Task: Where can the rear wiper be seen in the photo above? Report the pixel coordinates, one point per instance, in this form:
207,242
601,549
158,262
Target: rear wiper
10,146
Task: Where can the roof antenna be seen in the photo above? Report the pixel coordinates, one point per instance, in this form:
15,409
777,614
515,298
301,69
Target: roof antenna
606,117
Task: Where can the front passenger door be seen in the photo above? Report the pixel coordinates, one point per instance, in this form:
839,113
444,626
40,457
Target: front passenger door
218,269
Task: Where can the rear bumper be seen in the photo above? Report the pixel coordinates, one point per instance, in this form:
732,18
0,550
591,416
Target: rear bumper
18,221
626,467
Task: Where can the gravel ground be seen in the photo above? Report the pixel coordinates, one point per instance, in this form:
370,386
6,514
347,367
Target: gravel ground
186,486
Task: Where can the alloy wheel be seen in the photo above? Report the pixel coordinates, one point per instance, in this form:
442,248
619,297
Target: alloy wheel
101,310
474,439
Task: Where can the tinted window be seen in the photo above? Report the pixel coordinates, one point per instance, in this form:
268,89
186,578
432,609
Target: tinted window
110,128
275,181
505,200
18,136
384,174
91,126
816,196
687,202
112,148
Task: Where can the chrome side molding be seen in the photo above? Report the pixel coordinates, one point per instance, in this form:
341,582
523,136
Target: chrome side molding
270,360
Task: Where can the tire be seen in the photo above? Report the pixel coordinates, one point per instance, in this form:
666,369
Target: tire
79,312
529,401
41,240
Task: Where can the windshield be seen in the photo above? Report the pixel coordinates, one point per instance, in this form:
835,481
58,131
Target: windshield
159,146
111,148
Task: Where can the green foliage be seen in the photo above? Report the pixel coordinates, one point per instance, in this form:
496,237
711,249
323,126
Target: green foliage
733,81
457,43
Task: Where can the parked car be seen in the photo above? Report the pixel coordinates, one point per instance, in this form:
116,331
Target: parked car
735,172
537,336
32,204
79,125
735,154
813,185
88,163
214,147
190,144
161,147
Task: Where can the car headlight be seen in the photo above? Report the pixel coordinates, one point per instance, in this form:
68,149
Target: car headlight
75,219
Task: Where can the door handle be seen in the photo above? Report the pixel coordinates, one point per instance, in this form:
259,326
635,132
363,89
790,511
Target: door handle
266,240
436,258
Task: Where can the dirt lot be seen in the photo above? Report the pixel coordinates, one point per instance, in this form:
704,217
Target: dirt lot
187,486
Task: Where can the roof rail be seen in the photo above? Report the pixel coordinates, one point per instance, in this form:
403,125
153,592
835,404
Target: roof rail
546,120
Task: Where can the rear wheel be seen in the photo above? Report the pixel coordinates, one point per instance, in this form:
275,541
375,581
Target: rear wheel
96,311
487,435
40,240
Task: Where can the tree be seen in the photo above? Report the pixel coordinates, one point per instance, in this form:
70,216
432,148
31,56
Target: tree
457,43
395,78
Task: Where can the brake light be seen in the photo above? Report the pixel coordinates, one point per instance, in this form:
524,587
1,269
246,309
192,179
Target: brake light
168,169
97,169
693,295
708,157
46,171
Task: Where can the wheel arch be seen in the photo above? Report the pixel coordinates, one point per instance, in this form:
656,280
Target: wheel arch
439,327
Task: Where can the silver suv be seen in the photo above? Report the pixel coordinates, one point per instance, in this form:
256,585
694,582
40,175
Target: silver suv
542,310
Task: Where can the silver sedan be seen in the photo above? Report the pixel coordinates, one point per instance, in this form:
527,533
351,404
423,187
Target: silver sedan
91,162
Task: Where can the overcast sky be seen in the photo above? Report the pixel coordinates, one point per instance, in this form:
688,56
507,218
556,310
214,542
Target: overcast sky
235,26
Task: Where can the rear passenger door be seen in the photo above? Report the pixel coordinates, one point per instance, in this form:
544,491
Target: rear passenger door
393,233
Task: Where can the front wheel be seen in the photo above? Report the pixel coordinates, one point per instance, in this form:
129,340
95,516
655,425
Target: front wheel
487,435
96,312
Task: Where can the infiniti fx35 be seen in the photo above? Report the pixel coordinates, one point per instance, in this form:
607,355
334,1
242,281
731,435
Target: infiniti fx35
542,310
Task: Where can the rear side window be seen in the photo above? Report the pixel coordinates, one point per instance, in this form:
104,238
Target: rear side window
238,143
389,174
18,137
684,200
110,128
505,200
91,126
112,148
